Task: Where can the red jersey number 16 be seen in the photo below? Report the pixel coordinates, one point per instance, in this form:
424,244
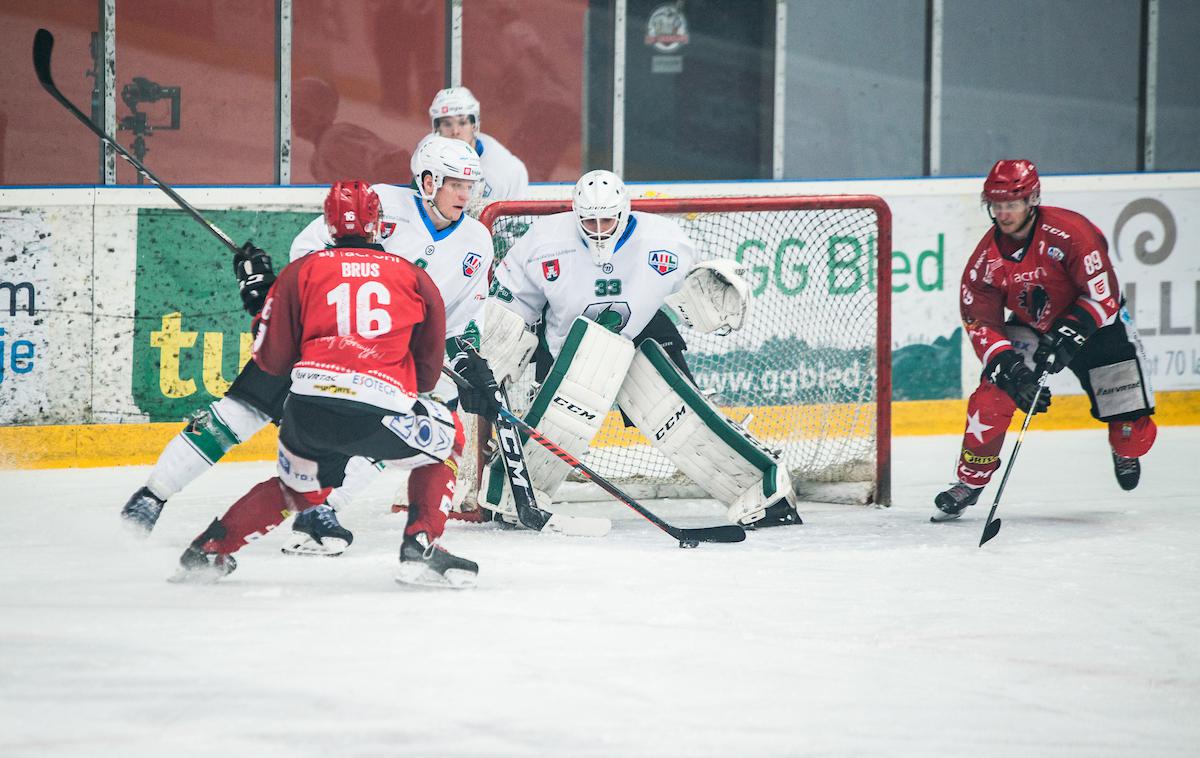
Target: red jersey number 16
364,319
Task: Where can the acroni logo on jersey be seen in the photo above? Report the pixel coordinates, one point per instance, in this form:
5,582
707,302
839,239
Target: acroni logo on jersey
550,269
663,261
471,264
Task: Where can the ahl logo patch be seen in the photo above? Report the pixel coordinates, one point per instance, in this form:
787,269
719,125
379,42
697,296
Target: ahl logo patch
550,270
471,264
386,229
663,261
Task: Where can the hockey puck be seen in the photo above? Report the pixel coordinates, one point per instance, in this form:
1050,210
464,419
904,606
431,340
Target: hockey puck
689,543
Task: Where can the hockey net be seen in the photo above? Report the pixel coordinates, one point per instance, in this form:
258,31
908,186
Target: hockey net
810,372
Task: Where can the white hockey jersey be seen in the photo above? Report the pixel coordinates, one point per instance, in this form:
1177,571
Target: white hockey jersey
504,175
550,268
457,258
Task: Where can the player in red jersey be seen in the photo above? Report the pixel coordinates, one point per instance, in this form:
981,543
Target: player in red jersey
1049,268
362,334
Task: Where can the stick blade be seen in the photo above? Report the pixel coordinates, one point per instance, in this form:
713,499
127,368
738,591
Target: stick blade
990,529
723,533
43,45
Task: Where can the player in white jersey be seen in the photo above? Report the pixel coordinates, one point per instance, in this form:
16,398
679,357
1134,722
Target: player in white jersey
428,228
454,113
597,277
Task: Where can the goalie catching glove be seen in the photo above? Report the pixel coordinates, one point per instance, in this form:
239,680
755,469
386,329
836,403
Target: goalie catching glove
255,275
714,298
480,398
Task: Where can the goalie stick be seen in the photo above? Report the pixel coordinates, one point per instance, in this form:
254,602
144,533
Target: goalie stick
992,526
687,537
43,46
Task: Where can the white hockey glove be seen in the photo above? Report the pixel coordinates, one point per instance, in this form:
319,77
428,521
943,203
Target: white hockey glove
506,342
715,297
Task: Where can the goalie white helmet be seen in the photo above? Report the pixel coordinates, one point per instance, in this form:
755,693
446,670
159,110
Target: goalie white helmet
601,196
453,101
444,158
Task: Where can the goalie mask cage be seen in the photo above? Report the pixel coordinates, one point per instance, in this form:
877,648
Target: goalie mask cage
809,373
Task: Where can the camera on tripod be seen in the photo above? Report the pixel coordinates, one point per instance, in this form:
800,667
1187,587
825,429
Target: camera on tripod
139,91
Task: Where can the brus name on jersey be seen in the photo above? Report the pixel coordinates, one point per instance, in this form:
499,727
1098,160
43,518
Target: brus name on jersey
663,261
471,264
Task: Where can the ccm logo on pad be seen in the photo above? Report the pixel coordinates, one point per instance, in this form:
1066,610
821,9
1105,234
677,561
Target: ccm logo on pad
678,414
580,411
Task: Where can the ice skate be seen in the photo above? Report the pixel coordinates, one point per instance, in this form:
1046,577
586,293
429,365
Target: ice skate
781,513
1128,471
142,510
200,566
425,563
316,531
951,503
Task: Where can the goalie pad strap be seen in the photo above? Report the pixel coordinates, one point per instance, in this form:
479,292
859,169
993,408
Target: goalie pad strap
571,404
729,463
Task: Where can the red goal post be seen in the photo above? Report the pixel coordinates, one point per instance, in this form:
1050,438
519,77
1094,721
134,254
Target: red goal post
810,373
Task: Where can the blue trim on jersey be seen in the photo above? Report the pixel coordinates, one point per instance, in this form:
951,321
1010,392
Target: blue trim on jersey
433,232
478,146
628,231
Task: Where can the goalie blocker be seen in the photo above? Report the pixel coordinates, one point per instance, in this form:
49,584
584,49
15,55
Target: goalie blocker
595,368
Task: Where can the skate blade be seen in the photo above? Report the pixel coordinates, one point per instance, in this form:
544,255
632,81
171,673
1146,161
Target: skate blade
197,576
419,575
308,546
942,516
135,529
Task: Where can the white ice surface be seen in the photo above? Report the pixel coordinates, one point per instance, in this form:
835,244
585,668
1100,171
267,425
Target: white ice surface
865,632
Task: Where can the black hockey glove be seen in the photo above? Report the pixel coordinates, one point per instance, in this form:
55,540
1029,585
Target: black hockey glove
1009,372
1063,341
255,276
480,399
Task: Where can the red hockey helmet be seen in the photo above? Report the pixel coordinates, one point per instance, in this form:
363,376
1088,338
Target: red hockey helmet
1012,180
352,210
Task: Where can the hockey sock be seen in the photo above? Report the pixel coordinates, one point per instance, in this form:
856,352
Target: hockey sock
259,511
1132,439
360,473
210,433
431,492
989,412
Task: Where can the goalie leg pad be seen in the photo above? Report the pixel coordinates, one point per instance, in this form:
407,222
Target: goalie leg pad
726,460
570,406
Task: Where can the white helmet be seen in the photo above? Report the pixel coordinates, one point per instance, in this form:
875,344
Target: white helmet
599,195
453,101
444,157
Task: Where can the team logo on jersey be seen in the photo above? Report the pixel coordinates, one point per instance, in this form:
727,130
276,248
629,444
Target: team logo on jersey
1055,253
551,270
386,228
471,264
663,261
1035,301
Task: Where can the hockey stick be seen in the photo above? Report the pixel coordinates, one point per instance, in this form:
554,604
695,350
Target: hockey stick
43,46
686,537
992,526
529,514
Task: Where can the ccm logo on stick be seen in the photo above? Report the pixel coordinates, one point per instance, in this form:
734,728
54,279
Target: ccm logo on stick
580,411
512,445
662,430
